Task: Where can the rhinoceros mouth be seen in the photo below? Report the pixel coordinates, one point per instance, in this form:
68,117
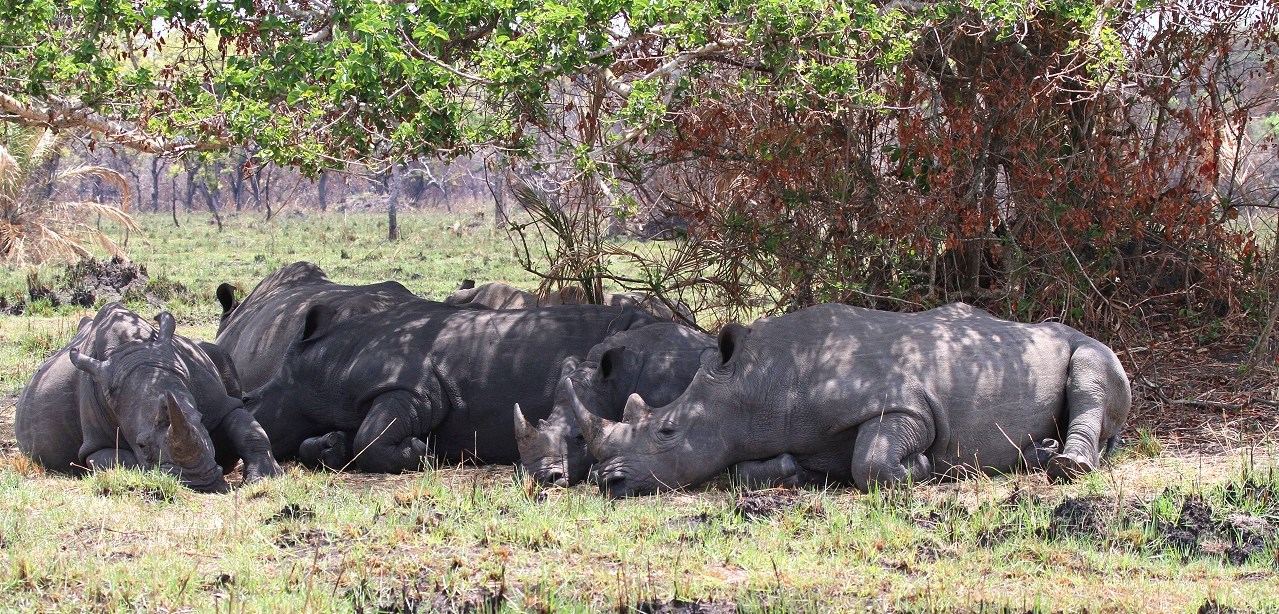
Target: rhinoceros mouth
207,482
616,481
550,477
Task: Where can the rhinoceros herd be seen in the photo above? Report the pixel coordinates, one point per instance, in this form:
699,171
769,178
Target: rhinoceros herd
375,378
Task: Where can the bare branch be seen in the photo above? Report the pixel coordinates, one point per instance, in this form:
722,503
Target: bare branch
59,114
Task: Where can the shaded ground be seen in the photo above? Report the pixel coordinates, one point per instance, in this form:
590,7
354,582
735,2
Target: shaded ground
1202,399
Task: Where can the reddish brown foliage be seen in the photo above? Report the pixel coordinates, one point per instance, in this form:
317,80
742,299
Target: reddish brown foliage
1041,170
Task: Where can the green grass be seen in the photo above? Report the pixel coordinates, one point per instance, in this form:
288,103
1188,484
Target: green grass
451,537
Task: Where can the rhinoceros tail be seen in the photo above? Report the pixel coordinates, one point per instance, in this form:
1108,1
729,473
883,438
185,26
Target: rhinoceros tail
1112,444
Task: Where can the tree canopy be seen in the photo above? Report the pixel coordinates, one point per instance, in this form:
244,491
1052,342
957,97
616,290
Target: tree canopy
1077,158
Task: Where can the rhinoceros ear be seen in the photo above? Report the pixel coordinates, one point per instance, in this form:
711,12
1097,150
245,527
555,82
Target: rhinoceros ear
612,362
226,297
87,363
317,322
731,338
467,284
167,326
569,365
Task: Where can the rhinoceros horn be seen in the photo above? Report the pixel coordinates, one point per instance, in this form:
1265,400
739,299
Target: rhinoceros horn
167,326
184,446
87,363
592,425
635,409
523,430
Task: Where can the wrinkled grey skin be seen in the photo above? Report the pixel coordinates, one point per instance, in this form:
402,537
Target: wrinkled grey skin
656,361
875,399
384,390
498,295
123,393
257,331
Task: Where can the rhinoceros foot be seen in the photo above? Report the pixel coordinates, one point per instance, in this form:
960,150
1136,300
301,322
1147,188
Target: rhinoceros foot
780,472
264,467
331,451
1065,468
1039,454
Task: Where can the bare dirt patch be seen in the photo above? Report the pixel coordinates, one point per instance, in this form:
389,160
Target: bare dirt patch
766,503
1089,515
1205,399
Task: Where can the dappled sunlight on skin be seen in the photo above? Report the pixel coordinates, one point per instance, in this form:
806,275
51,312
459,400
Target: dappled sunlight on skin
655,361
123,390
427,372
952,388
257,331
499,295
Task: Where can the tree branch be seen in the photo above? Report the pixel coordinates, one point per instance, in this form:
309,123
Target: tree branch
60,114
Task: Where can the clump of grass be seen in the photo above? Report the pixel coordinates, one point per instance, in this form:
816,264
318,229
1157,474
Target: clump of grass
39,343
151,485
13,466
1148,444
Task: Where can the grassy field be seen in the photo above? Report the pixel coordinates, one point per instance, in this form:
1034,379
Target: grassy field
1163,527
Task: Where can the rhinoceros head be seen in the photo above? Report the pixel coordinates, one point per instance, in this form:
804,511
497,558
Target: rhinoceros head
554,452
145,386
682,443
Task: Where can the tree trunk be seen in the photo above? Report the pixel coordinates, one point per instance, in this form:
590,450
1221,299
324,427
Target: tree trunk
173,197
211,199
155,184
322,191
497,187
393,191
190,197
237,185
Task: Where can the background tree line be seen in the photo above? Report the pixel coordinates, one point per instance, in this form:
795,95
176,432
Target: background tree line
1096,162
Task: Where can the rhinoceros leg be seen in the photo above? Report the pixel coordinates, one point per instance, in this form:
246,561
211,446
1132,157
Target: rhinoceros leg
1097,402
331,451
107,458
783,471
387,441
889,450
246,440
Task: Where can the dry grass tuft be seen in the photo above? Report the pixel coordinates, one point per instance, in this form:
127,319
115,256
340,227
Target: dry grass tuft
35,225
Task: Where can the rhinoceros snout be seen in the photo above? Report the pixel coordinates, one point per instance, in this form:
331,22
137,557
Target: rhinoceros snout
217,486
614,485
553,477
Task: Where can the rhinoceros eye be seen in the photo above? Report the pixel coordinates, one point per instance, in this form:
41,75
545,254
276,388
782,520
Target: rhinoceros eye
667,430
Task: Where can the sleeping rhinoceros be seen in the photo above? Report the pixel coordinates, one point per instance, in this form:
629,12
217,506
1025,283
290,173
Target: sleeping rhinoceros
873,398
123,393
499,295
655,361
256,332
375,388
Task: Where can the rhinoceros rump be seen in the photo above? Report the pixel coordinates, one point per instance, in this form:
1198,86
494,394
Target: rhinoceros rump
873,398
498,295
375,388
123,393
